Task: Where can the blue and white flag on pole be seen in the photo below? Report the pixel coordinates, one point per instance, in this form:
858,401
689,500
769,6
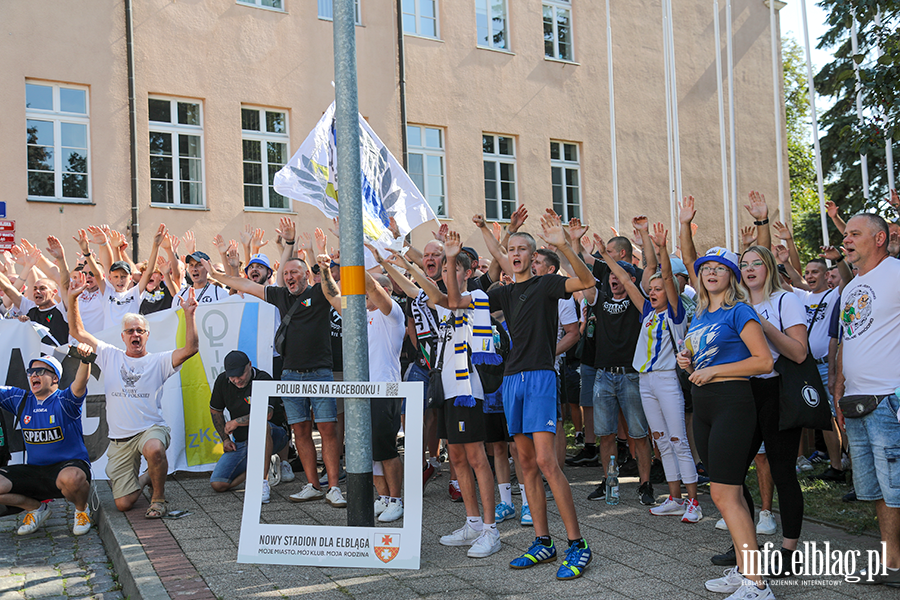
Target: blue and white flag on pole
387,191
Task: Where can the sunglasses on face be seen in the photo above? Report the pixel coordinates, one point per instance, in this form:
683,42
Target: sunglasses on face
39,371
136,330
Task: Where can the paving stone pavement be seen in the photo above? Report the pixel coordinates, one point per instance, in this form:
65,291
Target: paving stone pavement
51,563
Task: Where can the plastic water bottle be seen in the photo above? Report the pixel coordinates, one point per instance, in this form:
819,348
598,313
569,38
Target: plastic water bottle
612,482
496,337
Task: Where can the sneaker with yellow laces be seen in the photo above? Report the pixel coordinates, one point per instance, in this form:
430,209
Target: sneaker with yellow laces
82,521
34,519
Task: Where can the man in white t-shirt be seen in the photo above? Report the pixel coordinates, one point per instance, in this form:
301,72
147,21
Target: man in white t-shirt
820,302
868,376
205,291
133,381
386,327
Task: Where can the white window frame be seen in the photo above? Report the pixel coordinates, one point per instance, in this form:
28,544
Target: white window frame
264,137
58,117
566,166
176,129
326,11
498,159
556,6
259,4
490,21
418,16
427,152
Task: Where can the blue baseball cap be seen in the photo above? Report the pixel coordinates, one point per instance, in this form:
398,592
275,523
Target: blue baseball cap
629,268
50,362
678,267
720,255
259,259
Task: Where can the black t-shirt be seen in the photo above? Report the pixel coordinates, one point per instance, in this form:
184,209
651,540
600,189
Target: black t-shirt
534,329
237,400
308,341
54,320
337,345
590,338
159,300
616,332
601,273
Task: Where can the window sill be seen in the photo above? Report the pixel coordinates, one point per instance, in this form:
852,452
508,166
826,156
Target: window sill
500,50
179,206
565,62
60,201
260,209
332,21
423,37
268,8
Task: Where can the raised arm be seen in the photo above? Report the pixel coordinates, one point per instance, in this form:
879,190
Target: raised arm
245,236
660,242
9,291
783,233
686,212
642,226
553,233
76,326
329,286
782,255
238,283
378,295
191,341
434,294
452,248
170,246
759,210
634,294
836,256
79,384
835,215
161,233
99,272
516,220
499,257
55,249
104,250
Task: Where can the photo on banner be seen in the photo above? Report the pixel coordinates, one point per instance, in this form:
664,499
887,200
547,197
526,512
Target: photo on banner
385,547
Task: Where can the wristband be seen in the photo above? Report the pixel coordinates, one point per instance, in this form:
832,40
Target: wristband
290,243
761,223
839,260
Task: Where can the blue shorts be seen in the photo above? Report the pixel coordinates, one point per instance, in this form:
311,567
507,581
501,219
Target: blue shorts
234,464
875,448
588,376
529,401
416,373
297,409
618,390
823,373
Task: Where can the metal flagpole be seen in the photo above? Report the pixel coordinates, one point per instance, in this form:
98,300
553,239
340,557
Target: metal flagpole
357,411
815,125
612,120
671,163
863,159
729,39
778,97
673,84
888,143
722,143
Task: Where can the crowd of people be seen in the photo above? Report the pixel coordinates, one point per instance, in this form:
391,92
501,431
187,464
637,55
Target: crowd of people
666,360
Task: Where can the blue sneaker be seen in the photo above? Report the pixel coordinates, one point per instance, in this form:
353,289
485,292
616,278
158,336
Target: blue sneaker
504,512
577,560
536,554
525,520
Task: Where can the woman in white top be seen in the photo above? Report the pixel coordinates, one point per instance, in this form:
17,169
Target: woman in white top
783,319
662,322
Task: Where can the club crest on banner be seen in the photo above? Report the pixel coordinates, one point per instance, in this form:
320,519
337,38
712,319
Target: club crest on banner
388,548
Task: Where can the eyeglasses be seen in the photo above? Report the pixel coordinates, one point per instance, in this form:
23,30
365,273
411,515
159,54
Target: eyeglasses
755,264
136,330
39,371
718,270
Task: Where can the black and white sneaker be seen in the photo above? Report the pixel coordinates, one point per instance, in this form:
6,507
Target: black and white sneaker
645,492
586,457
579,439
726,559
599,493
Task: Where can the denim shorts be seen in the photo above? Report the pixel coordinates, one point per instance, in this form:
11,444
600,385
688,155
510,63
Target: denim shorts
297,409
615,390
588,376
875,448
416,373
233,464
823,373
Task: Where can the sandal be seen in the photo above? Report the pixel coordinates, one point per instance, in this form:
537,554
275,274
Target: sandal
158,509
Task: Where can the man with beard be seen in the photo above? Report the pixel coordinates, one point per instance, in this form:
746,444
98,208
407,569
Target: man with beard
133,381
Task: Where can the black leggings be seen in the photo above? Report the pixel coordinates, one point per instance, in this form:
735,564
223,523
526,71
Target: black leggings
724,429
781,452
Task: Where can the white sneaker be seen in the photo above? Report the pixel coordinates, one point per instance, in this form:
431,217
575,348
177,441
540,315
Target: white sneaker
692,511
34,519
766,525
720,524
749,591
731,582
803,464
335,498
266,492
487,543
287,472
669,507
274,477
380,506
307,494
82,521
392,513
464,536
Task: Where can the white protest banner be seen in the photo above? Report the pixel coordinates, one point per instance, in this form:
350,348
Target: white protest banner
387,190
386,547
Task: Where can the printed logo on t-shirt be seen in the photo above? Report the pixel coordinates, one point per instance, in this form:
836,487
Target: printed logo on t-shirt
129,377
126,300
616,308
856,314
701,343
42,436
26,419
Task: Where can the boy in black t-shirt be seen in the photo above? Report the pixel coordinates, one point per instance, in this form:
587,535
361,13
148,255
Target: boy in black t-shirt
530,308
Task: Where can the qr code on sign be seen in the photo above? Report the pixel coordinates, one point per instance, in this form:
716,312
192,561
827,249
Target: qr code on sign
392,389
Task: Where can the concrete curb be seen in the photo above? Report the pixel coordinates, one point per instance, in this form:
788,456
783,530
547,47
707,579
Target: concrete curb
137,576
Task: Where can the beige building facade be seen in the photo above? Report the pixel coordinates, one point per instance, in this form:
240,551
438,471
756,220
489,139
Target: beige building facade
507,103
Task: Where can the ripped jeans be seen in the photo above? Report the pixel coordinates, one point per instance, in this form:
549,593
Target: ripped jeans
663,405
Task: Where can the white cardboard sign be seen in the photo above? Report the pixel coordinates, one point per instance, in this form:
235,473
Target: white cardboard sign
343,546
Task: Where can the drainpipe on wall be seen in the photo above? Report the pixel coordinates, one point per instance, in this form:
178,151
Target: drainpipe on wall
132,129
401,60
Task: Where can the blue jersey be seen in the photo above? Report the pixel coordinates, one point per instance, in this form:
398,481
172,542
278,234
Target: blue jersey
715,337
52,428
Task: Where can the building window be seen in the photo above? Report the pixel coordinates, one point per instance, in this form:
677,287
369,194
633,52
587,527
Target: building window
273,4
264,136
426,164
176,152
420,17
566,180
57,141
499,176
491,24
326,11
558,29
